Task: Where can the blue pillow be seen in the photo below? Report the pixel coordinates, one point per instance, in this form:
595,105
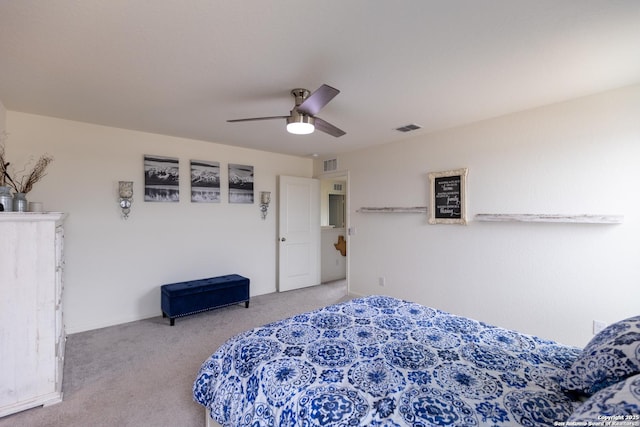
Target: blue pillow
617,403
610,357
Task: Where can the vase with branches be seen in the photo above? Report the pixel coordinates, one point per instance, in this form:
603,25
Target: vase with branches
21,182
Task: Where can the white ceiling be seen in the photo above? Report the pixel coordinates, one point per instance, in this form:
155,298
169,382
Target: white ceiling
183,68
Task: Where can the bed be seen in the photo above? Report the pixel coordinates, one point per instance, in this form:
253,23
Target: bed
382,361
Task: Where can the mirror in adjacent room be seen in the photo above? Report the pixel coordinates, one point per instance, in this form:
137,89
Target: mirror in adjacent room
336,210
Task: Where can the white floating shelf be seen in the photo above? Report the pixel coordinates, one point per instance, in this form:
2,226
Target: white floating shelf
415,209
577,219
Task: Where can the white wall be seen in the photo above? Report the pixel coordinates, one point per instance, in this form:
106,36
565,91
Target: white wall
3,117
552,280
114,267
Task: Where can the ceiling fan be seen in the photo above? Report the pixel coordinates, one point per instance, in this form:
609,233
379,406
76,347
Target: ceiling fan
302,118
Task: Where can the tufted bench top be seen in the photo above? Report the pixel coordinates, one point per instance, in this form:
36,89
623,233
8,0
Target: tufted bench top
202,285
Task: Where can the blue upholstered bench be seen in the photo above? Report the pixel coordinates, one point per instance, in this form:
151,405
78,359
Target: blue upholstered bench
184,298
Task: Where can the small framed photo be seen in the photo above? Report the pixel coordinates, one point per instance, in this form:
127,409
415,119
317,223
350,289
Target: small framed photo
161,179
205,181
240,183
448,197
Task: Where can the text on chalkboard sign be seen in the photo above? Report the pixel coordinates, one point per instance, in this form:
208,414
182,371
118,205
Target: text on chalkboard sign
448,190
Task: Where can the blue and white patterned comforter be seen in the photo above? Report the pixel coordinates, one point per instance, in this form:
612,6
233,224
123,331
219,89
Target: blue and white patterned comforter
381,361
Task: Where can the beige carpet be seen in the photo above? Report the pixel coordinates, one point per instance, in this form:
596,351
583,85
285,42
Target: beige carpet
140,374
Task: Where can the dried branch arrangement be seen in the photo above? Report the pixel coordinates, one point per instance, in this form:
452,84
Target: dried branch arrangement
28,180
5,179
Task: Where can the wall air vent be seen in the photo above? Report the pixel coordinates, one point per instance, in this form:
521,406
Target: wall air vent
408,128
330,165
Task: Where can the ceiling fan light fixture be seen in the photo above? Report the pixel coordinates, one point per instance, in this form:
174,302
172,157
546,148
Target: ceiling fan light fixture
300,124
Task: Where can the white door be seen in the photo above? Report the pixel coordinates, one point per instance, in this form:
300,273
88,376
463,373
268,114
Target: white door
299,233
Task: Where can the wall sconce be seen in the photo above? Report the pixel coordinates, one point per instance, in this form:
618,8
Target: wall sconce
265,199
125,190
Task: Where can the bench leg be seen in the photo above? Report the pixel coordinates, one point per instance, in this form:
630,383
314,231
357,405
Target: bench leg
172,320
246,304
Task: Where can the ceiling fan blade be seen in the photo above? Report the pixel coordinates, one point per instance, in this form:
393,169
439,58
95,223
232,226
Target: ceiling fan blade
327,127
318,99
257,118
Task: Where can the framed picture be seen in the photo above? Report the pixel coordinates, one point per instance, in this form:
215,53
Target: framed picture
161,179
205,181
448,197
240,184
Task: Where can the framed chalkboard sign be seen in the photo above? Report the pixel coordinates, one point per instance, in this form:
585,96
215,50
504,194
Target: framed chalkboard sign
448,197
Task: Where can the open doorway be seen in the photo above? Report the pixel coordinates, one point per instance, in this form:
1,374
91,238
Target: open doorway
334,219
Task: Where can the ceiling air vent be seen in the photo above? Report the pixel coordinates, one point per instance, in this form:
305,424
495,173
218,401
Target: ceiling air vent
330,165
408,128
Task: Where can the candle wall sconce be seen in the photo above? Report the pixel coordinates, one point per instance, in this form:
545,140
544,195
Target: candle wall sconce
265,199
125,191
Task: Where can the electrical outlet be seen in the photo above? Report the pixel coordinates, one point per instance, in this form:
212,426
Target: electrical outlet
382,281
598,325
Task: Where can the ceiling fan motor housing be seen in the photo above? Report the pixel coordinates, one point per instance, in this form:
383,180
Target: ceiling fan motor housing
300,95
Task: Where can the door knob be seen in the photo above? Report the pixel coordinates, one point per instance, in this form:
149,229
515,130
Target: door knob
282,239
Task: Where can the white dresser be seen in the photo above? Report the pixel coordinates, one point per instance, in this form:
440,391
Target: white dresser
32,334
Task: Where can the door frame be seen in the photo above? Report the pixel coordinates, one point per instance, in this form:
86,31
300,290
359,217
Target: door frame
328,176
